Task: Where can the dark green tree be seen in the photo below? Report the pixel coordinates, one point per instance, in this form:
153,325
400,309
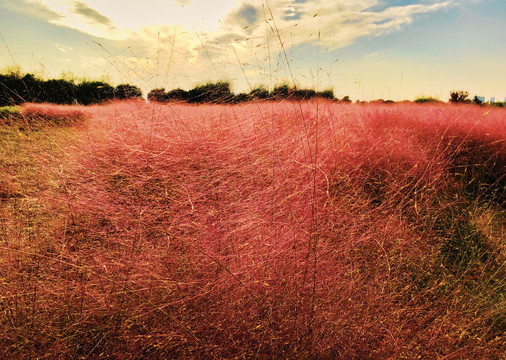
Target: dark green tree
477,100
58,91
459,96
177,95
127,91
214,93
259,93
301,94
10,89
241,97
158,95
31,88
281,91
326,94
94,92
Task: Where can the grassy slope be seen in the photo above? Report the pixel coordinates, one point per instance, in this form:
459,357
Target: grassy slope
281,230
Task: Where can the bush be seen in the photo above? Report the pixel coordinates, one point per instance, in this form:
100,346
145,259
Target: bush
127,91
301,94
477,100
284,91
158,95
382,101
8,112
498,104
177,95
325,94
459,96
8,94
281,91
427,99
94,92
259,93
59,92
15,90
31,88
241,97
213,93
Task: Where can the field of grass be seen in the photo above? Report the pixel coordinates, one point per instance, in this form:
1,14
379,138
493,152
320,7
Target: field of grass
309,230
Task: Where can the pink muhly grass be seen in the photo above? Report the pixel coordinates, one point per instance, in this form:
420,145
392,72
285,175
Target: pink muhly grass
268,230
50,114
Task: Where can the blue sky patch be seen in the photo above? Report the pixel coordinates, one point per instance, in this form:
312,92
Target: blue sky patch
249,13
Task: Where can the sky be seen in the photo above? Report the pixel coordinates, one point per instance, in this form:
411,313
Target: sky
365,49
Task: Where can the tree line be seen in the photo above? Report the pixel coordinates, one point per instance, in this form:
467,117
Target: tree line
16,89
220,92
461,97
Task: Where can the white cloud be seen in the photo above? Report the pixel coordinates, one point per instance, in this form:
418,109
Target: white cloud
166,37
340,22
32,8
89,62
63,48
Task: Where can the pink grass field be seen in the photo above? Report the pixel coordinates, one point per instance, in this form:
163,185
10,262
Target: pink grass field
310,230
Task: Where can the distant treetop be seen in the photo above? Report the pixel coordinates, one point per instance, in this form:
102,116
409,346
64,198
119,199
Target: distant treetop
17,89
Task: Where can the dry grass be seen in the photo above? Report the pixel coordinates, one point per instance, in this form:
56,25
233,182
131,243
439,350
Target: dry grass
286,230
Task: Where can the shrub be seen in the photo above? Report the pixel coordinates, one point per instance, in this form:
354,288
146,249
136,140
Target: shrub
241,97
498,104
382,101
259,93
427,99
213,93
281,91
32,90
177,95
127,91
301,94
285,91
59,92
158,95
8,115
325,94
345,100
8,111
477,100
8,94
94,92
16,89
459,96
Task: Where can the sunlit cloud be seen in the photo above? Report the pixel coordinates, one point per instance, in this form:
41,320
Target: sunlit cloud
339,22
32,8
63,48
81,8
180,42
91,62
